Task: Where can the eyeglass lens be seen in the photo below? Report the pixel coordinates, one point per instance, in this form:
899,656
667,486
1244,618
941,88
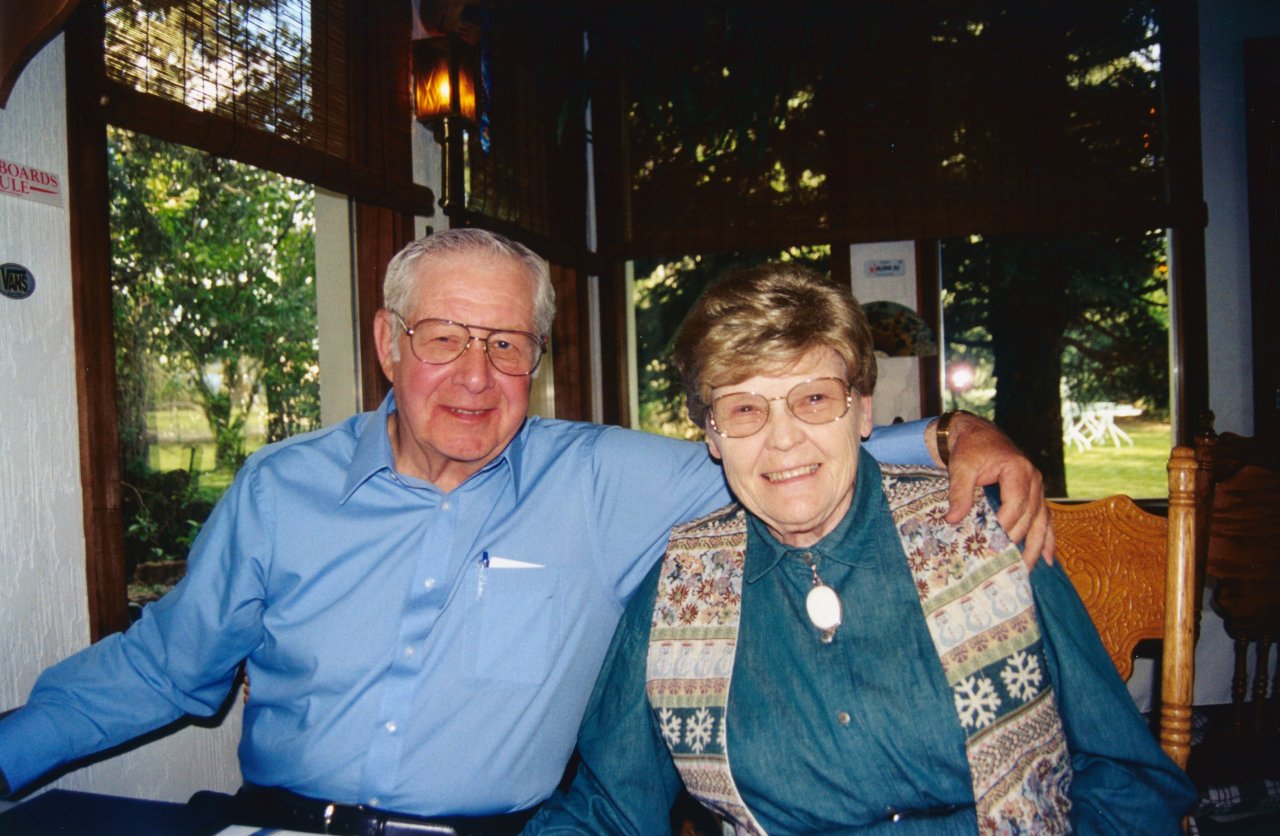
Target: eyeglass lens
438,341
817,401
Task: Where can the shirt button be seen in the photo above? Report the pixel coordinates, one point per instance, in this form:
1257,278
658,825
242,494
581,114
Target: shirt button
391,727
429,583
843,718
408,651
445,506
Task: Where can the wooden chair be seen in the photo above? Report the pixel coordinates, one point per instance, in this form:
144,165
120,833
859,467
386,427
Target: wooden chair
1239,494
1135,572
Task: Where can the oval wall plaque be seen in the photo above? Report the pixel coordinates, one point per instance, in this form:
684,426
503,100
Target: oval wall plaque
16,281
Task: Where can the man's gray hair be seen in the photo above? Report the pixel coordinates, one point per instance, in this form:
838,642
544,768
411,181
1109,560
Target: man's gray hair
402,273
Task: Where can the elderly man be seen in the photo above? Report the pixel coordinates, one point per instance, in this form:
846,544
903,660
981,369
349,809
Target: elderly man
421,595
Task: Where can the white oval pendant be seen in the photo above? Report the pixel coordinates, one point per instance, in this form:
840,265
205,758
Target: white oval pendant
824,607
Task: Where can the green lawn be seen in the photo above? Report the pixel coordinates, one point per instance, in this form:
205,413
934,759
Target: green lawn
178,456
181,430
1138,471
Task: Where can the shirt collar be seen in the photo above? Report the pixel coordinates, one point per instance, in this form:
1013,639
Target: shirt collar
373,451
847,543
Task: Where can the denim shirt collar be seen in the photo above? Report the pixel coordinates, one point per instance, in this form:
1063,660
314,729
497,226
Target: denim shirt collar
853,542
373,452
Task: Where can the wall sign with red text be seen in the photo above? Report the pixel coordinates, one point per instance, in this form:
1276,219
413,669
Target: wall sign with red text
32,183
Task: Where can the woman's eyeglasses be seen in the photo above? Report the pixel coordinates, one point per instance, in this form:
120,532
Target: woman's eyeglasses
818,401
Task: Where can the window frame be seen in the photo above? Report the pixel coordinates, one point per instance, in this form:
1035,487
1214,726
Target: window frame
384,210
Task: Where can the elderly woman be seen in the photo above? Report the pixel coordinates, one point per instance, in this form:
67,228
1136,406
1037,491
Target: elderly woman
828,654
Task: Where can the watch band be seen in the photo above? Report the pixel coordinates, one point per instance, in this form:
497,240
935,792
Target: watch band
942,434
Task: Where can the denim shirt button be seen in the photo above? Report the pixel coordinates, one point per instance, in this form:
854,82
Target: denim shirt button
843,718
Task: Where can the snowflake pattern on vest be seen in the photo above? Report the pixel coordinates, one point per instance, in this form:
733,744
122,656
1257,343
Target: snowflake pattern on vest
975,595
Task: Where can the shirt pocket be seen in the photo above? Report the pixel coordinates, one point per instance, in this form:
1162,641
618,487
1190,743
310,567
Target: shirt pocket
519,624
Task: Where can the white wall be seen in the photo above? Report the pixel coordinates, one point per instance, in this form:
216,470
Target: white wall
335,309
898,383
41,530
1224,24
43,609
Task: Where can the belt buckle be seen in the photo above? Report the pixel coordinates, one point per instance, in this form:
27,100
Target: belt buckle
355,820
391,826
388,824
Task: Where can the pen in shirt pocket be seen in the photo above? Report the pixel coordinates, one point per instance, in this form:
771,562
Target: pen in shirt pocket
481,572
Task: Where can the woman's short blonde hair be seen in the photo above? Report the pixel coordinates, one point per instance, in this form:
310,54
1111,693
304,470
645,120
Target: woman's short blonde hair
763,319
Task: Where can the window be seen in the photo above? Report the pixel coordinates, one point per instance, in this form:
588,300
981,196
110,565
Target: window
974,124
316,90
664,291
1064,340
214,288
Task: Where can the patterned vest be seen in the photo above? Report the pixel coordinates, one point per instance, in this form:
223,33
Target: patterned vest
975,595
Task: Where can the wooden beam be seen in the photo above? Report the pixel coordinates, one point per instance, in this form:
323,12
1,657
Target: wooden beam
91,307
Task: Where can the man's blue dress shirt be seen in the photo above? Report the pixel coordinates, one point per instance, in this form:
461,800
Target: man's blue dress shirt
410,649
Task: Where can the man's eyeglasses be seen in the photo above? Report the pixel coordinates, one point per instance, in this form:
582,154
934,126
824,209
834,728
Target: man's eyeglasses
818,401
440,341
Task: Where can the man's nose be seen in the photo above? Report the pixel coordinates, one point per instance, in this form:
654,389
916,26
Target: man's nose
474,369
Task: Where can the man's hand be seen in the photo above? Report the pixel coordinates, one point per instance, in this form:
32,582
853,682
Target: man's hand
982,455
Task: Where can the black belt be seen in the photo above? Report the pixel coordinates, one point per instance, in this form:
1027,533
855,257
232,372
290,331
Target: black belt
276,807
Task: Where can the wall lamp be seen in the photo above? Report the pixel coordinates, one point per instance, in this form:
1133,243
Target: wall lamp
445,69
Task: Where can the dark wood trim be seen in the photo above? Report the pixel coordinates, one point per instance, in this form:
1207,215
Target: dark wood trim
173,122
613,231
376,166
841,267
1262,140
609,155
571,344
380,233
1024,218
615,399
557,251
929,306
378,59
1189,365
27,28
379,76
1188,325
91,306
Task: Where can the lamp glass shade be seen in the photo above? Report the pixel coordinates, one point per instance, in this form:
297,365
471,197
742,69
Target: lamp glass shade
443,79
466,94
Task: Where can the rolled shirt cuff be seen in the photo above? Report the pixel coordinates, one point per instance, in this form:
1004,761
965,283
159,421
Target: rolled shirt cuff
901,443
31,744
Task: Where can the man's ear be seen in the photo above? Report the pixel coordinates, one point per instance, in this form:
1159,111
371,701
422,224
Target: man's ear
384,333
